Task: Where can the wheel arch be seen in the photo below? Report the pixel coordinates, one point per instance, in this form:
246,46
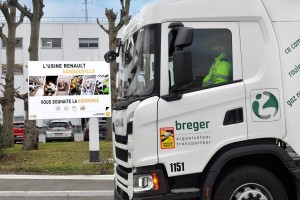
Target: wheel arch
261,152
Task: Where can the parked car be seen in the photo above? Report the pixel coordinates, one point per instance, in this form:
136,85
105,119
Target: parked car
102,130
19,132
59,130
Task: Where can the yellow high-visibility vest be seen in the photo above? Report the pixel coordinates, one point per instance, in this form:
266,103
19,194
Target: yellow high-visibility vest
219,71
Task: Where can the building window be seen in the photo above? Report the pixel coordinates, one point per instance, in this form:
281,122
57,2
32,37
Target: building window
51,43
18,69
19,119
18,42
88,42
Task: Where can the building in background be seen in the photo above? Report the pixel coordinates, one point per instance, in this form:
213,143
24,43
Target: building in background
59,41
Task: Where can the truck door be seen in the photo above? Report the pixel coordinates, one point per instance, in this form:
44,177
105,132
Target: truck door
208,114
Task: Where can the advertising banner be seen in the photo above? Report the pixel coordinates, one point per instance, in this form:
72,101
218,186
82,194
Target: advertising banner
68,89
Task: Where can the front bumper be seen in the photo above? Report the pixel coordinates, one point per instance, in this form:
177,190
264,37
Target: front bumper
121,195
124,188
18,139
59,136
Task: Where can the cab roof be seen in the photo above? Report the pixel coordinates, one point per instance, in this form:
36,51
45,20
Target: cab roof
283,10
214,10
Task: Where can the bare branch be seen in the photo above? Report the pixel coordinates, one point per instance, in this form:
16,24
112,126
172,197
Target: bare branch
20,20
120,25
124,14
122,4
2,35
41,11
22,9
127,17
4,8
20,96
101,26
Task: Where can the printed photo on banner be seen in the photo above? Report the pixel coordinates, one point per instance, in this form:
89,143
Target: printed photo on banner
63,85
89,83
35,87
76,85
50,86
102,84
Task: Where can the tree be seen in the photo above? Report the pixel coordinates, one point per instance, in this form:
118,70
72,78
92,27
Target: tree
8,99
30,142
112,32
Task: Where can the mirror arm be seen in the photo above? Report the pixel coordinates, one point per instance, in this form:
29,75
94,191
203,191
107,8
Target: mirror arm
119,47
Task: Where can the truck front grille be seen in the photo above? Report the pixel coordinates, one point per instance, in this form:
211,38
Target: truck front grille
123,194
122,154
124,139
129,128
121,139
123,172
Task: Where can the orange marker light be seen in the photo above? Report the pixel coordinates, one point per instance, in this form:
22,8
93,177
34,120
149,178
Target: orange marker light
207,192
155,181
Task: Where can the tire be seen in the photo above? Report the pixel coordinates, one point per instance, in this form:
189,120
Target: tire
249,183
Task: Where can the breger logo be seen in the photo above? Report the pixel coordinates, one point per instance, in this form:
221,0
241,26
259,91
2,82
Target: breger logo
265,105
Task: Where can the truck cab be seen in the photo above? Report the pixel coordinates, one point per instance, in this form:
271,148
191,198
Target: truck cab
184,129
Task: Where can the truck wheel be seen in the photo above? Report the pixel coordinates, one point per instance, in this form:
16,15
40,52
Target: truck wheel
249,183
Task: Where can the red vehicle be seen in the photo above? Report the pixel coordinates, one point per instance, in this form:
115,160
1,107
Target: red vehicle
19,130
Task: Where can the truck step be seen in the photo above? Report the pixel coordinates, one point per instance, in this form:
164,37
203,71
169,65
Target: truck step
185,190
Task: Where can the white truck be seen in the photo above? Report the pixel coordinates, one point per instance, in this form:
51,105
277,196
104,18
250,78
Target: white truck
175,138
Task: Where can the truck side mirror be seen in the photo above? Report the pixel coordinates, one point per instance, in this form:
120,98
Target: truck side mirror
183,74
182,60
128,58
110,56
184,38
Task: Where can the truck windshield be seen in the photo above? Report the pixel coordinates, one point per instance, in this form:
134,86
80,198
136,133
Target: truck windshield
140,57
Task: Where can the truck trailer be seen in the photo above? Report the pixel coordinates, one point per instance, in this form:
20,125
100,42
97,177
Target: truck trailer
184,129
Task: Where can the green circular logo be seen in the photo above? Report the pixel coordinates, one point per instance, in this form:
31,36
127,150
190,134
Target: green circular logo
272,102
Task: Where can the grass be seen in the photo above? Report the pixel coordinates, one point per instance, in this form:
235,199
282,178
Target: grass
59,158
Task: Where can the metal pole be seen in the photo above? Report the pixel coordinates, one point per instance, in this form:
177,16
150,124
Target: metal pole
94,143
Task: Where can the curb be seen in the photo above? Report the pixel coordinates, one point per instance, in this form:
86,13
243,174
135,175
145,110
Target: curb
86,193
69,193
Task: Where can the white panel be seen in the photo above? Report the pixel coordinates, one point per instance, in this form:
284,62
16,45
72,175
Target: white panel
145,133
19,108
19,56
51,54
289,47
279,10
261,73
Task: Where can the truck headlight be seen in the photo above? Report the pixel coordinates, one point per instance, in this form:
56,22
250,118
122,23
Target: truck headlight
146,182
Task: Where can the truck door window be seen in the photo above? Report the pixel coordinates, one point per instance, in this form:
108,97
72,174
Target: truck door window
211,57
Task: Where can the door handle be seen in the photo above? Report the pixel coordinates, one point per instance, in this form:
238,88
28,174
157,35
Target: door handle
234,116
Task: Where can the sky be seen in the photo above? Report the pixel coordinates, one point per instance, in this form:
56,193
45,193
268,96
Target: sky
76,8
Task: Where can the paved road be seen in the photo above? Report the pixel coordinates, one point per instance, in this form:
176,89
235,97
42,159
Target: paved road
56,198
62,187
56,187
